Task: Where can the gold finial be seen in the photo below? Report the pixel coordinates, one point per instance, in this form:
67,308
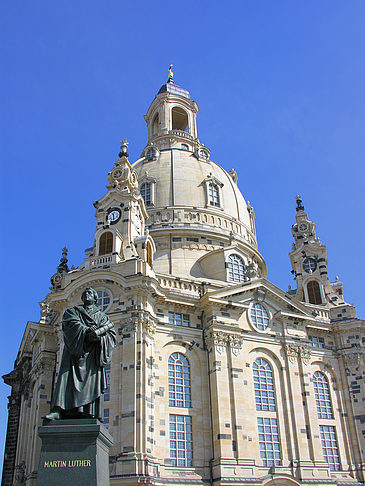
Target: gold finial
171,75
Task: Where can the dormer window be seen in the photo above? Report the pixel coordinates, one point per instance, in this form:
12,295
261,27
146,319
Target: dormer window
150,154
236,269
106,243
146,193
213,194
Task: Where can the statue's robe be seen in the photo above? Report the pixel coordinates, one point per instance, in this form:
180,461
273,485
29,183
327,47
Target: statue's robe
81,378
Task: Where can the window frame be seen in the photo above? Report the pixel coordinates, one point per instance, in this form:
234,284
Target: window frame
322,394
106,245
174,321
264,388
230,268
109,295
255,324
179,380
184,436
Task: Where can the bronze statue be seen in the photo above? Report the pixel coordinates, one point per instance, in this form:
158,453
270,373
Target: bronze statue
89,338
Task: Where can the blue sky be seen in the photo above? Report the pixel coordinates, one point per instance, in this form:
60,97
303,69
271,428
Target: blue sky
280,86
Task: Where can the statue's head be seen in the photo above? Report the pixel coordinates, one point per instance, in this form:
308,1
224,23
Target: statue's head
89,296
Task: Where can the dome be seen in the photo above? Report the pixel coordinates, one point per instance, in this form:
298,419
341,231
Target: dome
193,204
183,181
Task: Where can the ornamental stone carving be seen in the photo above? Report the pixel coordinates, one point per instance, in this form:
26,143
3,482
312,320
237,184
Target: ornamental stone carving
354,360
217,339
295,351
220,340
235,344
129,325
291,351
48,315
148,328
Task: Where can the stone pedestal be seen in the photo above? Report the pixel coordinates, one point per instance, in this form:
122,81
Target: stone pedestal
74,452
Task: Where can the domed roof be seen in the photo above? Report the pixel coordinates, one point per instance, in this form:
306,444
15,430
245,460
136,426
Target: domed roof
182,180
194,206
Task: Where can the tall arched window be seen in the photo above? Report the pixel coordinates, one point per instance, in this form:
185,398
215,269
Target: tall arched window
146,193
179,381
106,243
179,119
213,194
322,394
236,269
149,254
264,385
314,292
267,422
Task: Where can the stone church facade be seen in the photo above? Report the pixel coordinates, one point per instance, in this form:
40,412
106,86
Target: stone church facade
218,376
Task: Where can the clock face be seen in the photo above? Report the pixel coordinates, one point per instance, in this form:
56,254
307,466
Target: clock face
303,227
309,265
114,215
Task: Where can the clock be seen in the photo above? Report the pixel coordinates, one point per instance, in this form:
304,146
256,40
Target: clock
309,265
114,215
303,227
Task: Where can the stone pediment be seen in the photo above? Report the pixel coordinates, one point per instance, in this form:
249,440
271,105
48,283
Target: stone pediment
241,295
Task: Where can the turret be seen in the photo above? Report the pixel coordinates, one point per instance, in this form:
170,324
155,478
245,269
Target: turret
309,262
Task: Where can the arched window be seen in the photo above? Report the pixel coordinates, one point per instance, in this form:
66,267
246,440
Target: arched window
264,385
179,119
322,394
106,243
314,292
146,193
236,269
179,381
155,124
104,298
151,153
213,194
259,317
149,254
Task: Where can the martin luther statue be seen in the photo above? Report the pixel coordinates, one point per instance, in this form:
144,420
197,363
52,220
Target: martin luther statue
89,338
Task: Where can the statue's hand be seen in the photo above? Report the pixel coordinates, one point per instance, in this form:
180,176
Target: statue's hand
91,336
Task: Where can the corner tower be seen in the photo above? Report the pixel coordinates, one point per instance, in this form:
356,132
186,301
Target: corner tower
309,262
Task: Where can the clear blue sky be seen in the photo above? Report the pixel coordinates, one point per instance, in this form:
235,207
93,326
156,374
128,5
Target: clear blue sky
280,86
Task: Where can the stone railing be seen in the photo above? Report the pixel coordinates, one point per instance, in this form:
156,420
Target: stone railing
322,314
180,133
100,261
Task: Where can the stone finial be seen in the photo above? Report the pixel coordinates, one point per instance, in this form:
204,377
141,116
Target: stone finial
63,267
234,175
124,148
299,201
170,75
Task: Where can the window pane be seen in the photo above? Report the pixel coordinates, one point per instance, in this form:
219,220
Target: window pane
182,449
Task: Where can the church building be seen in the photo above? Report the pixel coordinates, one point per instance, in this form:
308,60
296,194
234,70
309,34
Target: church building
218,377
